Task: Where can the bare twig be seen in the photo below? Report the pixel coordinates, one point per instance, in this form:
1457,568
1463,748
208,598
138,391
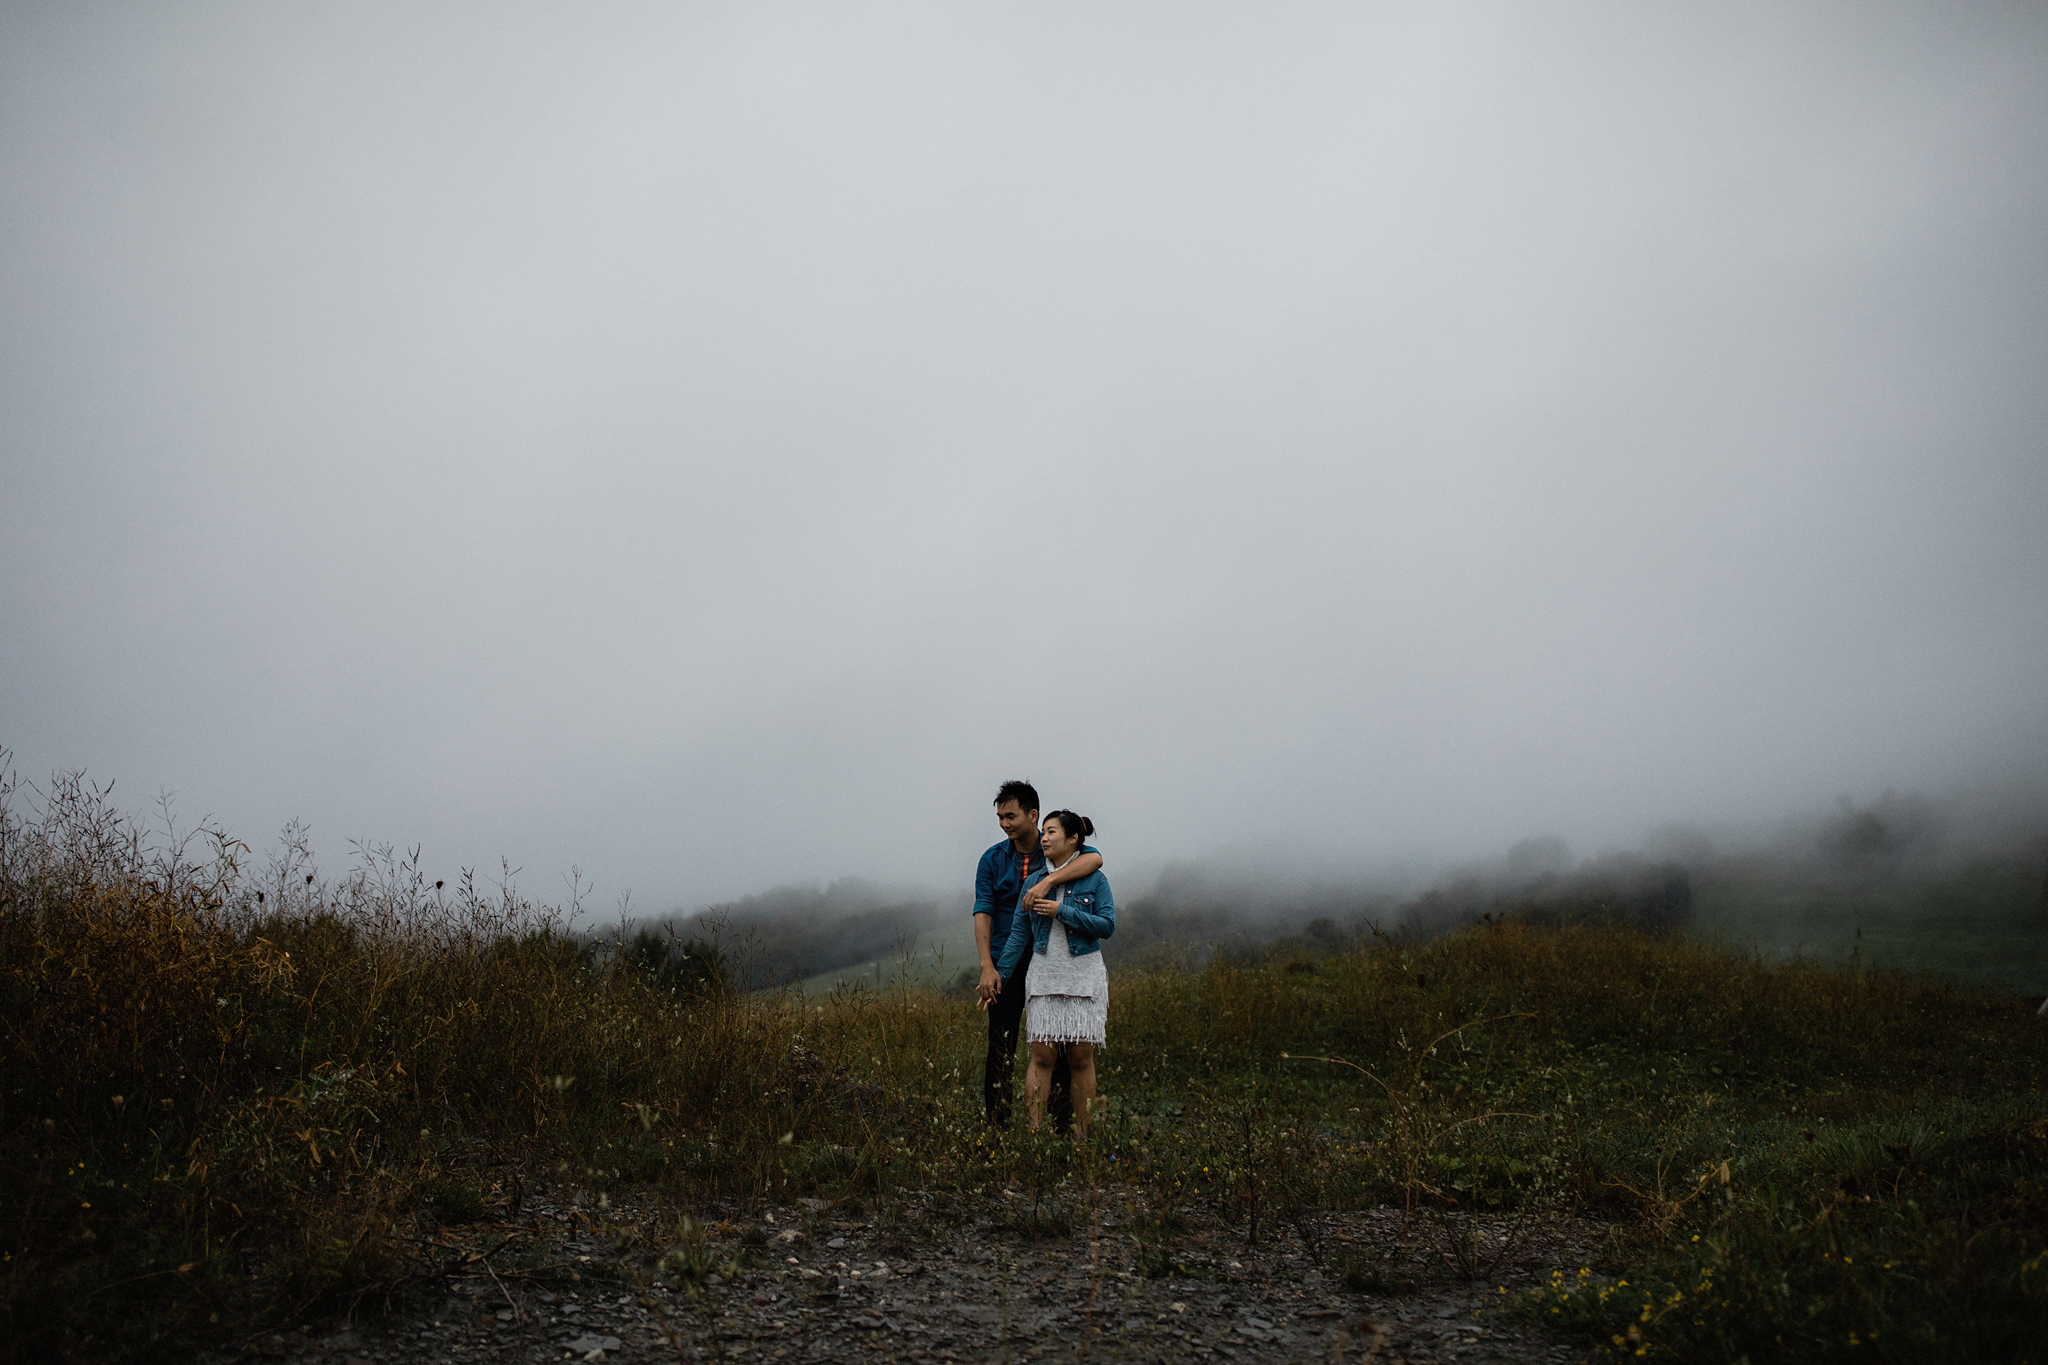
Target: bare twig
518,1313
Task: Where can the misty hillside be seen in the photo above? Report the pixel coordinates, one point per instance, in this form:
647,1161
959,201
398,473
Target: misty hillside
786,934
1900,882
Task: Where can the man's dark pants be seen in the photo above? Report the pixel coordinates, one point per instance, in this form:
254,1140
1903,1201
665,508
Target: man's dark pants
1005,1020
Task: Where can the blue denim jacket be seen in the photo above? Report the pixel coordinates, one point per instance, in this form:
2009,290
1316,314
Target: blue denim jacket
1000,879
1089,912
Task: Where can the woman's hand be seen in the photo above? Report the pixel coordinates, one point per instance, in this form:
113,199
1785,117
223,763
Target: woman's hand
1043,904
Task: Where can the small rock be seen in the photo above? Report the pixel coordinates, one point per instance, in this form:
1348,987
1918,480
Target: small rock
589,1342
791,1237
836,1243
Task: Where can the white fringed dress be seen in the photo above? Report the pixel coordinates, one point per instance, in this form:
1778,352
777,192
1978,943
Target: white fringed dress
1066,997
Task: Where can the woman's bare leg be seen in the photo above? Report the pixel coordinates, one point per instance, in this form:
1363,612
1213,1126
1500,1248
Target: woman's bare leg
1081,1062
1038,1081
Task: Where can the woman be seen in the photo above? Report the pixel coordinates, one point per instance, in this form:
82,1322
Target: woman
1067,987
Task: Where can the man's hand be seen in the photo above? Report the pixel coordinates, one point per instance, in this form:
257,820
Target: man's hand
991,986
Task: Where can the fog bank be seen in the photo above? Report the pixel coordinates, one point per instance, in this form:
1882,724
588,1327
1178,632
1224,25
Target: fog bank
713,446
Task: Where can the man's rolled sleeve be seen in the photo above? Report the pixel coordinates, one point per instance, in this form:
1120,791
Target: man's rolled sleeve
985,888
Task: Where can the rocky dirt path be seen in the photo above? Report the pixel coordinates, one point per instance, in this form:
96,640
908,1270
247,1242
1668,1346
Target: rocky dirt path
928,1280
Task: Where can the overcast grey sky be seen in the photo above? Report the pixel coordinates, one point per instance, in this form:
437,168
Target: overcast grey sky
714,445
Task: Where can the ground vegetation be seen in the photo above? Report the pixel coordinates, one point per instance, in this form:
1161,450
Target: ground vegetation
238,1096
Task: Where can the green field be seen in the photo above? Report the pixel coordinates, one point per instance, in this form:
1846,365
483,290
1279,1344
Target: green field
1983,923
935,959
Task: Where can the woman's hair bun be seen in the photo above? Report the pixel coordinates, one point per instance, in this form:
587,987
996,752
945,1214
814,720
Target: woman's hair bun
1073,824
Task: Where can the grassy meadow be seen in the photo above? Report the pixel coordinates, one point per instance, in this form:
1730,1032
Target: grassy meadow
236,1094
1982,920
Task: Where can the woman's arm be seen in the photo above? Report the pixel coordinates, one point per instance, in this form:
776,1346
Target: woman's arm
1097,923
1076,868
1019,943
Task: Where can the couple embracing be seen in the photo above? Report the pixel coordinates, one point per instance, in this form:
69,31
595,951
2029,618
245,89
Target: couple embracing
1041,910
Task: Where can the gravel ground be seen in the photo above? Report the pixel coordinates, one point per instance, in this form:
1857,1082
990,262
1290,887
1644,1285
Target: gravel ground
563,1281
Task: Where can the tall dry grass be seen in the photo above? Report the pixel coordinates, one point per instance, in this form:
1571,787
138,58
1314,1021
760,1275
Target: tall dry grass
222,1088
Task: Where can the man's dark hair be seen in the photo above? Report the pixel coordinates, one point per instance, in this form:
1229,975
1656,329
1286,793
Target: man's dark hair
1023,793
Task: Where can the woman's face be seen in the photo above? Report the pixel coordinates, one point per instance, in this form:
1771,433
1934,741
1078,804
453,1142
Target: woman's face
1056,842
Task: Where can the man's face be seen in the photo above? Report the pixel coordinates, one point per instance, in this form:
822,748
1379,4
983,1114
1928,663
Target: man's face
1020,825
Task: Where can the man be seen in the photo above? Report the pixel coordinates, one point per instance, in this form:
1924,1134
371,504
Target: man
997,884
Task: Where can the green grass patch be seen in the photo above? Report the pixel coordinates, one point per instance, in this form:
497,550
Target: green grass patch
1983,922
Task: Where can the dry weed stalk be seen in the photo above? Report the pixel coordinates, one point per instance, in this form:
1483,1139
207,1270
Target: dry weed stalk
1419,1137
